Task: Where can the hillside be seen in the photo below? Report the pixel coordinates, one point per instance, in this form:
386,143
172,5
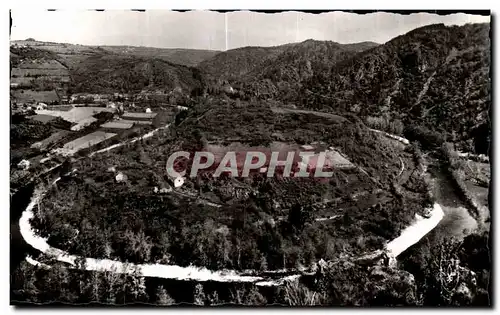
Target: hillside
435,76
240,223
70,54
37,75
186,57
351,238
111,73
44,73
234,63
283,76
280,69
74,53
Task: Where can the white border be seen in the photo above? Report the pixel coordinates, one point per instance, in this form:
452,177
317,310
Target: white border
189,4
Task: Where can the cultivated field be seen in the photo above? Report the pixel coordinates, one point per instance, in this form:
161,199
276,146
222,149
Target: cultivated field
138,122
84,142
133,116
121,124
76,114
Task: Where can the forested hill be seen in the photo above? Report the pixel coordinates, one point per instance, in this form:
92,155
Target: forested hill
282,77
435,76
187,57
110,73
234,63
97,70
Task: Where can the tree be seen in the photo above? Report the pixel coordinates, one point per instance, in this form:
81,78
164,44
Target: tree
248,296
66,167
299,215
23,283
213,299
199,295
138,245
163,298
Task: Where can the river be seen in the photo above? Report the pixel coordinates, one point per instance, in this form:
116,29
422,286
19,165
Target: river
455,214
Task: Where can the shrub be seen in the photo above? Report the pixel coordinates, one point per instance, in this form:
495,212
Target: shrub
299,295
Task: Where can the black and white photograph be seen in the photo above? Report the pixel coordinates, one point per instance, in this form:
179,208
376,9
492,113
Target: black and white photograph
208,158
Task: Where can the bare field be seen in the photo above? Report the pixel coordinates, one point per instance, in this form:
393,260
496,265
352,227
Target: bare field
76,114
117,125
85,142
39,72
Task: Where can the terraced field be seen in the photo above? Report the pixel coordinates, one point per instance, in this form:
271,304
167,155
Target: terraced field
84,142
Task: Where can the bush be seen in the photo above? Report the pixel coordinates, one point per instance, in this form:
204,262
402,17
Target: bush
428,139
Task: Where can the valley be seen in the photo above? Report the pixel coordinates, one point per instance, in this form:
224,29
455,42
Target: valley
405,126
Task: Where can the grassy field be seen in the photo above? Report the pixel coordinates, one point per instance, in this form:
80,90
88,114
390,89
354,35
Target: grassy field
477,180
52,139
43,118
117,125
28,96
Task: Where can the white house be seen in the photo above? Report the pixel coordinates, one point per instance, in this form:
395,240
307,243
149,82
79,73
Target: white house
148,110
121,177
178,182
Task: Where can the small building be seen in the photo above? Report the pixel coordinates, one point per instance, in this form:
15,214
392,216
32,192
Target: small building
228,89
24,165
178,182
148,110
121,177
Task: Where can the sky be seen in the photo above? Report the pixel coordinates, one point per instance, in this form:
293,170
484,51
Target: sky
218,31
